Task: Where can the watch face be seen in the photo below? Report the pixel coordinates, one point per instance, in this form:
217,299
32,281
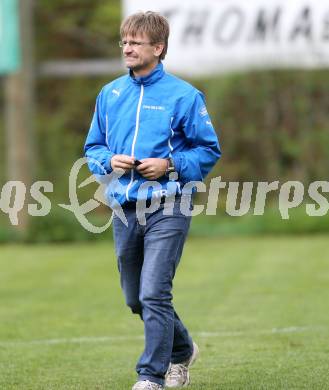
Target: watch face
171,167
171,164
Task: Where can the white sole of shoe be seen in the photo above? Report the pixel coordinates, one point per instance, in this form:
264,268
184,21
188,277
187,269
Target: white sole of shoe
188,380
195,355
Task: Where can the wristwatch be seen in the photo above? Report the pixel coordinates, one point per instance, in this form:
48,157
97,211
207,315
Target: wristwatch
170,166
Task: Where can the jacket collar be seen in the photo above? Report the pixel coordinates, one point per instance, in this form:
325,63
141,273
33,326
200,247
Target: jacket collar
156,74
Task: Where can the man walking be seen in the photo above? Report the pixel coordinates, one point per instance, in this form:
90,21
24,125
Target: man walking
151,124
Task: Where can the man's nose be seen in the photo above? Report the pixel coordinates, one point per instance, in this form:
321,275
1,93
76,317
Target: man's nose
127,49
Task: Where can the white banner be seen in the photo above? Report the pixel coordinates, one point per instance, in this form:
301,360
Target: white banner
216,36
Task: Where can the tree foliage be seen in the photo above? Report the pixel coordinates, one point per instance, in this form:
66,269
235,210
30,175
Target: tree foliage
77,29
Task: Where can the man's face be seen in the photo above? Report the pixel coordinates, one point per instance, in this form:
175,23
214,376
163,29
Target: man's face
139,54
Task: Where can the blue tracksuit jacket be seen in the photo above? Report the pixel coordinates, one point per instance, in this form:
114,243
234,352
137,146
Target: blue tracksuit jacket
158,115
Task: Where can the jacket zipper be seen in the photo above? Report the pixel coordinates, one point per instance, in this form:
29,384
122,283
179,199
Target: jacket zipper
135,138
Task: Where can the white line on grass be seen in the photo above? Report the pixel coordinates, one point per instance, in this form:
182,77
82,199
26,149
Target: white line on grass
80,340
291,329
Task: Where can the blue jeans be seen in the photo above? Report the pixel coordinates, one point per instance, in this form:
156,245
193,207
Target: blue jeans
148,256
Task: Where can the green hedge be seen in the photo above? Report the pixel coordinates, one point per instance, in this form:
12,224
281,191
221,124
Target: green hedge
61,226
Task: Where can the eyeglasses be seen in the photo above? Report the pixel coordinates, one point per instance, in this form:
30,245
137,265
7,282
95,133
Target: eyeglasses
133,44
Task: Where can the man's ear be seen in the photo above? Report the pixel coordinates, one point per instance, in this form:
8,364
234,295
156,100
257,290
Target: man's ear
158,48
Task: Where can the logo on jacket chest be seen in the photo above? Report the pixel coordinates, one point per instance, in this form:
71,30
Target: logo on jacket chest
151,107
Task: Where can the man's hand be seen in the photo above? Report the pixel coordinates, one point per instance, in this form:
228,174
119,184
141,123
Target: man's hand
152,168
122,161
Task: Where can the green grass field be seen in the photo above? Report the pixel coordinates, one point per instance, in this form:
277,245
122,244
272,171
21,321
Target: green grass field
257,307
